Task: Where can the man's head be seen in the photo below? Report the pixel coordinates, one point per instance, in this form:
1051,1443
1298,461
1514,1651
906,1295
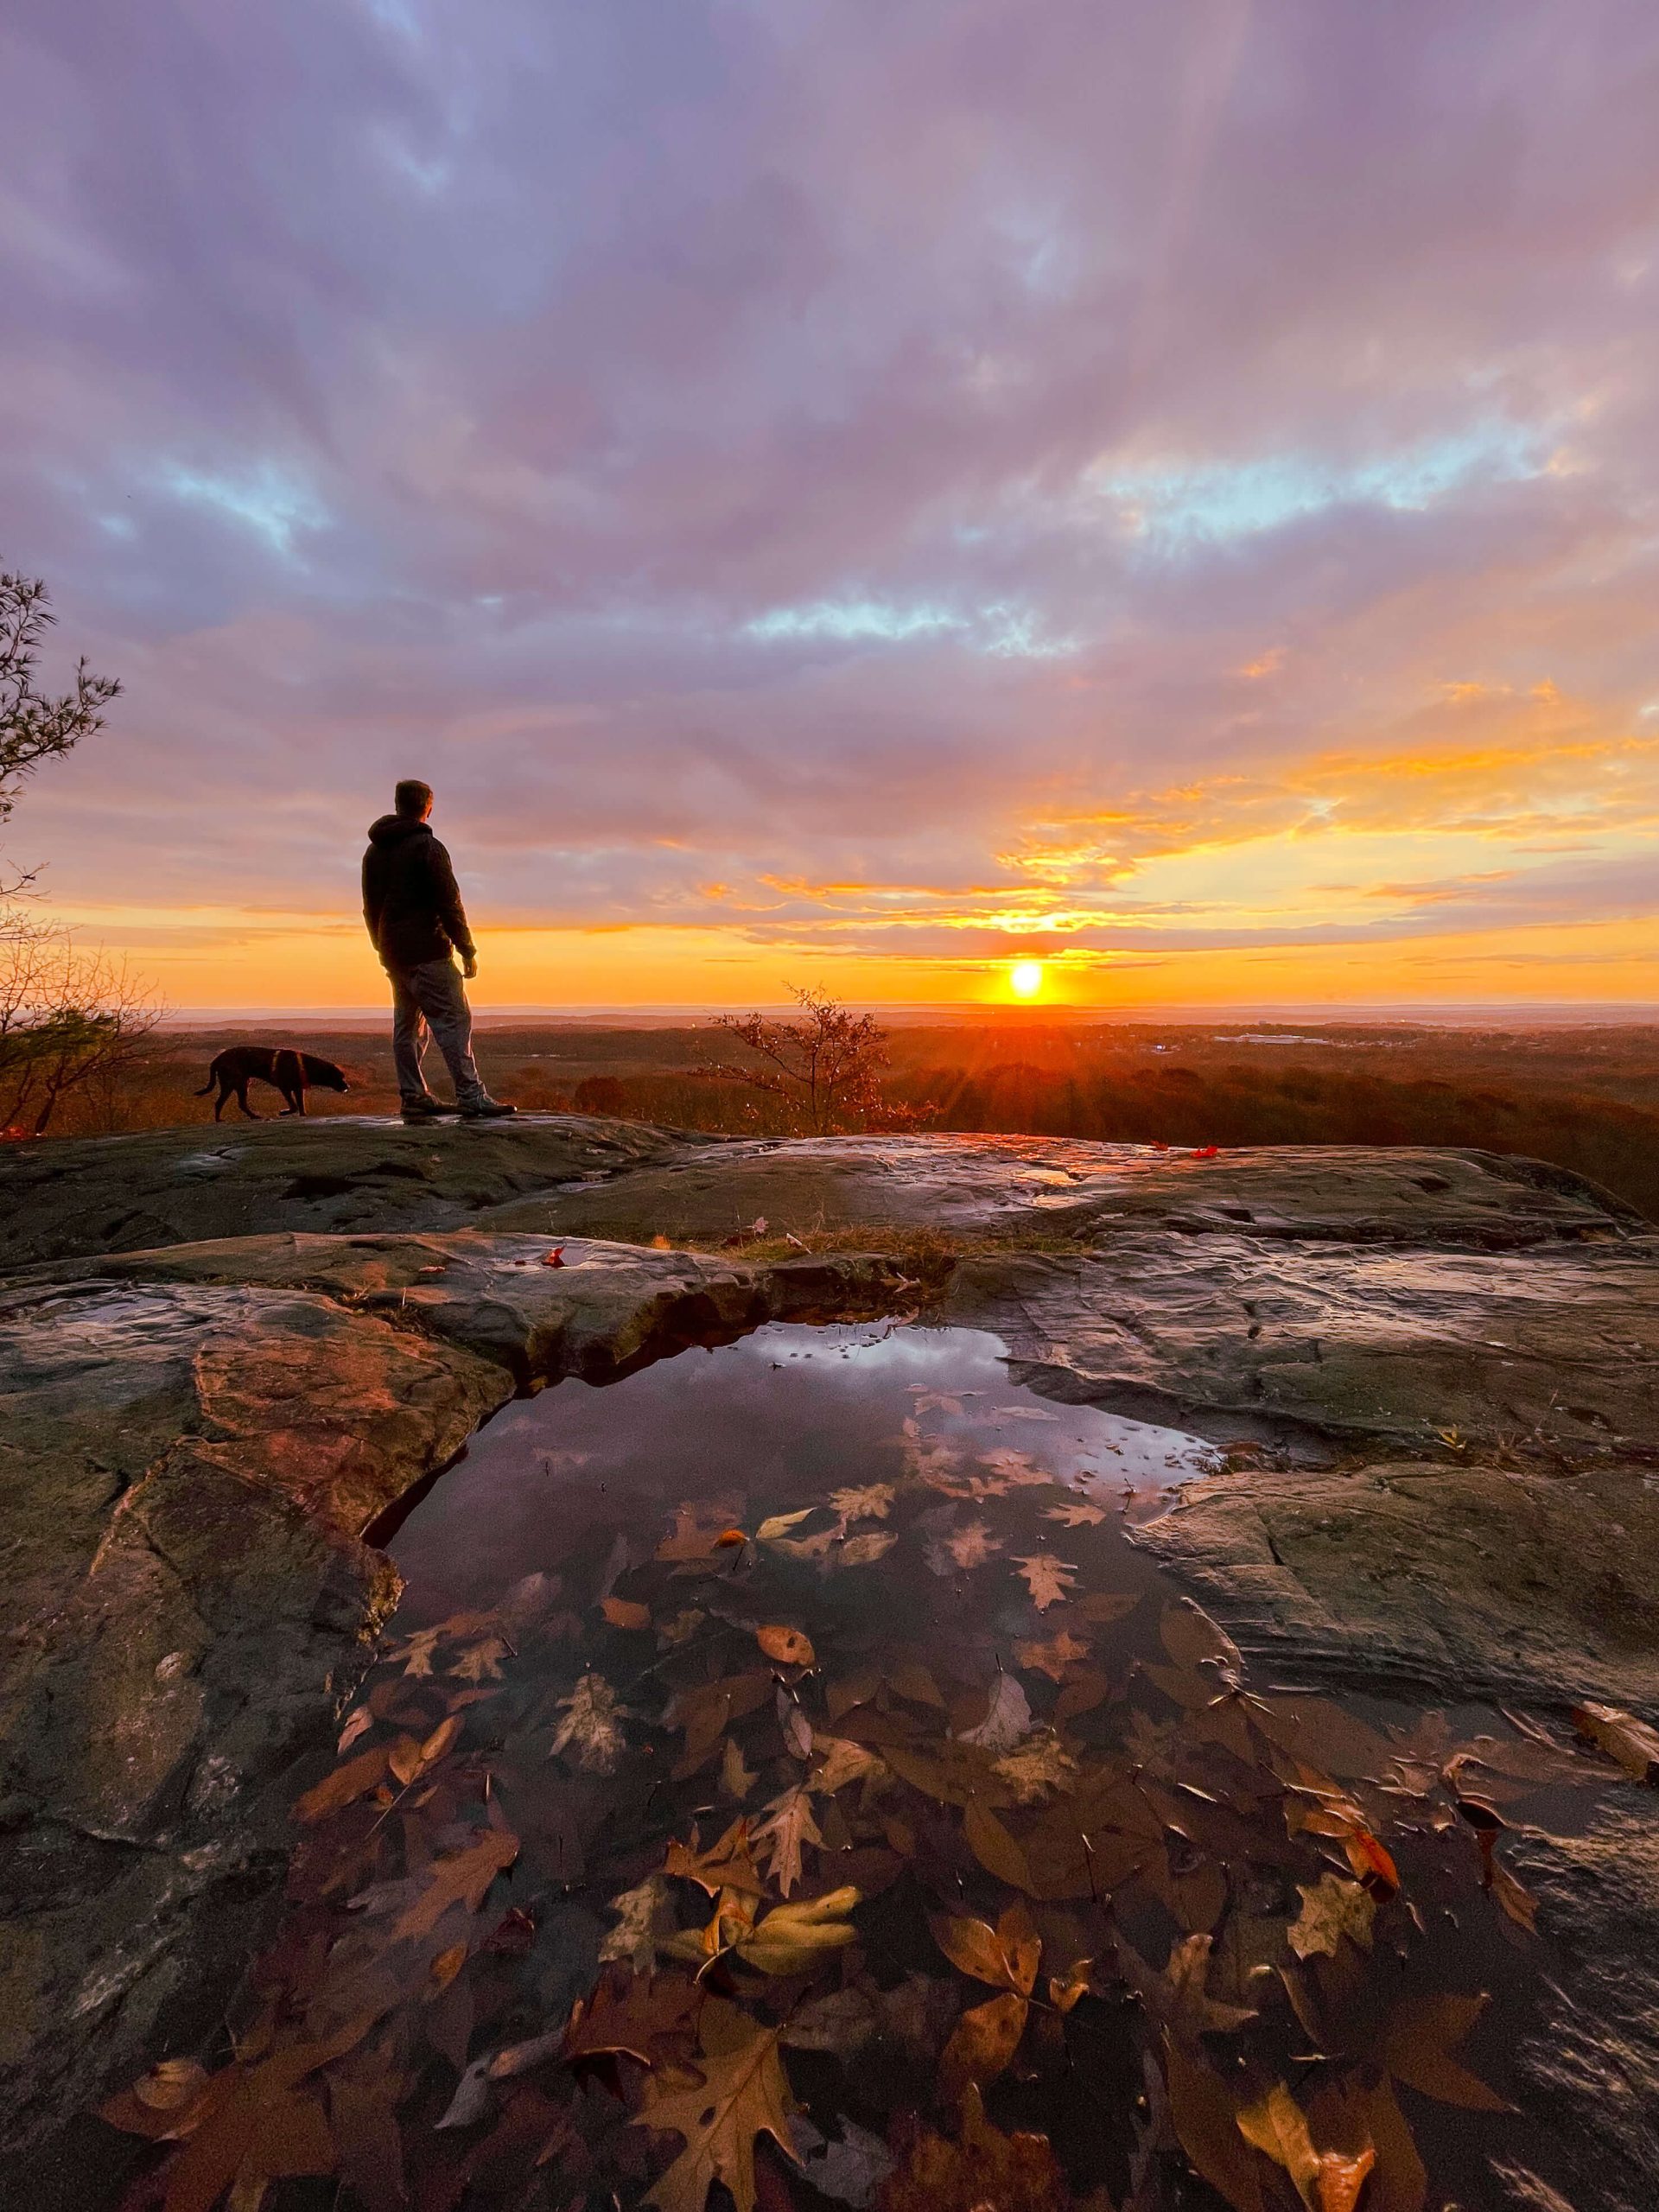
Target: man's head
413,799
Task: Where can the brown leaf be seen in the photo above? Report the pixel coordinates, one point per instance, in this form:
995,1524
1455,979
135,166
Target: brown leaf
1040,1764
1067,1990
996,1850
1516,1900
873,1502
463,1878
786,1827
1053,1657
728,1865
409,1760
1014,2173
741,2093
481,1662
1206,2120
1007,1955
981,2045
788,1646
632,2020
591,1731
1327,2181
1178,1998
1622,1736
1074,1514
1417,2048
360,1724
343,1787
446,1966
1049,1579
623,1612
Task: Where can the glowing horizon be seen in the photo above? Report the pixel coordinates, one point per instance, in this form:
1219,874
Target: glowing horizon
872,509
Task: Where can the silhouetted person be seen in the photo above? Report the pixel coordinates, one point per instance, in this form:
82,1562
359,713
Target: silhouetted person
416,924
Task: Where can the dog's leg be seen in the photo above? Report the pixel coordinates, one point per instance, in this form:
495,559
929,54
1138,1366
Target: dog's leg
242,1100
218,1103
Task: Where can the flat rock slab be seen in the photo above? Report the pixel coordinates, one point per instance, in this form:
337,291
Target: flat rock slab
1476,1582
64,1197
194,1442
1553,1350
1059,1187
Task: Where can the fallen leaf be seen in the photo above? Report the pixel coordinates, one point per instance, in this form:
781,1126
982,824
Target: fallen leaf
735,1779
1007,1955
795,1937
981,2045
740,2092
871,1502
1040,1764
1074,1514
1622,1736
1332,1910
788,1825
780,1524
840,1762
1007,1721
171,2084
1014,2173
445,1968
462,1878
360,1724
1515,1900
1067,1990
1417,2048
969,1547
728,1865
1327,2181
343,1787
1053,1657
788,1646
554,1258
864,1551
1048,1579
1204,2117
1178,1998
631,1942
623,1612
417,1653
591,1728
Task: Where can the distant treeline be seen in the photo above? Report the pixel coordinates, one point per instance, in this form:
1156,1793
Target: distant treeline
1587,1099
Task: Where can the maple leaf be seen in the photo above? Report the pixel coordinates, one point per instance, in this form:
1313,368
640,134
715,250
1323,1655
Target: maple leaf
1008,1721
741,2093
1417,2048
1053,1657
1033,1768
1327,2181
1071,1516
728,1865
1332,1910
1180,1996
871,1502
1048,1578
591,1727
788,1824
1622,1736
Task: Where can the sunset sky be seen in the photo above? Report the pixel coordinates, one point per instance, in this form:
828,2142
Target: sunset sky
850,491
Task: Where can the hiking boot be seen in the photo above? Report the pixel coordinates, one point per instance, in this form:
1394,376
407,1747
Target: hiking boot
428,1109
487,1109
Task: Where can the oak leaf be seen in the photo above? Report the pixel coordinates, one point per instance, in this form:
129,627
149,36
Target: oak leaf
728,1865
741,2094
1053,1657
841,1762
735,1778
788,1825
631,1942
592,1726
1074,1514
1048,1579
462,1878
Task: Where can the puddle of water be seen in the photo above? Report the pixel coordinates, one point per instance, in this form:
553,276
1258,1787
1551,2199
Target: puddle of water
999,1716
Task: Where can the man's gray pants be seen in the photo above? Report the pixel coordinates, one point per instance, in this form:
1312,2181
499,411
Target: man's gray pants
427,1000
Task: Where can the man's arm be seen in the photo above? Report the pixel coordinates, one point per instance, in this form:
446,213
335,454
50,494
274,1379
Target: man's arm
446,893
374,898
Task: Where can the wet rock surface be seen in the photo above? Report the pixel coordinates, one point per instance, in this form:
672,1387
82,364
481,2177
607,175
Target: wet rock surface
87,1196
235,1348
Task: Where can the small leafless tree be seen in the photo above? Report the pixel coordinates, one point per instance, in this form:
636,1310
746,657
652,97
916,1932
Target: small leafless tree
71,1023
824,1068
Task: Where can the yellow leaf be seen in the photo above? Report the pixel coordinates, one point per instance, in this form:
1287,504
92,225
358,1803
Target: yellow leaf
1327,2181
788,1646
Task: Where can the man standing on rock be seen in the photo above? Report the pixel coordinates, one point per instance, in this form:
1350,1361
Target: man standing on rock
416,924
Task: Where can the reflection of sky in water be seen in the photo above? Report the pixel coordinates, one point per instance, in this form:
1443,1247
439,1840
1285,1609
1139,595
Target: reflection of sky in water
772,1422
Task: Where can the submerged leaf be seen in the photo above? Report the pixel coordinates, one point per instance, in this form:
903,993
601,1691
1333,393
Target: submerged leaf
1048,1579
1332,1910
740,2092
728,1865
1327,2181
787,1826
591,1728
788,1646
982,2044
1008,1721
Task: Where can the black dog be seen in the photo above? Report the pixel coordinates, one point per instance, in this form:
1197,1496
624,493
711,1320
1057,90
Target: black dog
289,1071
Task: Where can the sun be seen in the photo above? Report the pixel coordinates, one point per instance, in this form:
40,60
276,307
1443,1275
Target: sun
1025,978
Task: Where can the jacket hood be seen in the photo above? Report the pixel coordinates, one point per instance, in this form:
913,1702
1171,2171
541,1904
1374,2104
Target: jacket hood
392,829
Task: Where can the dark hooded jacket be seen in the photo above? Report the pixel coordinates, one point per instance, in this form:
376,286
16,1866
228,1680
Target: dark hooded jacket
410,900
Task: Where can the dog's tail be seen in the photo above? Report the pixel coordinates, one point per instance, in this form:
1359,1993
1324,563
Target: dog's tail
213,1078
